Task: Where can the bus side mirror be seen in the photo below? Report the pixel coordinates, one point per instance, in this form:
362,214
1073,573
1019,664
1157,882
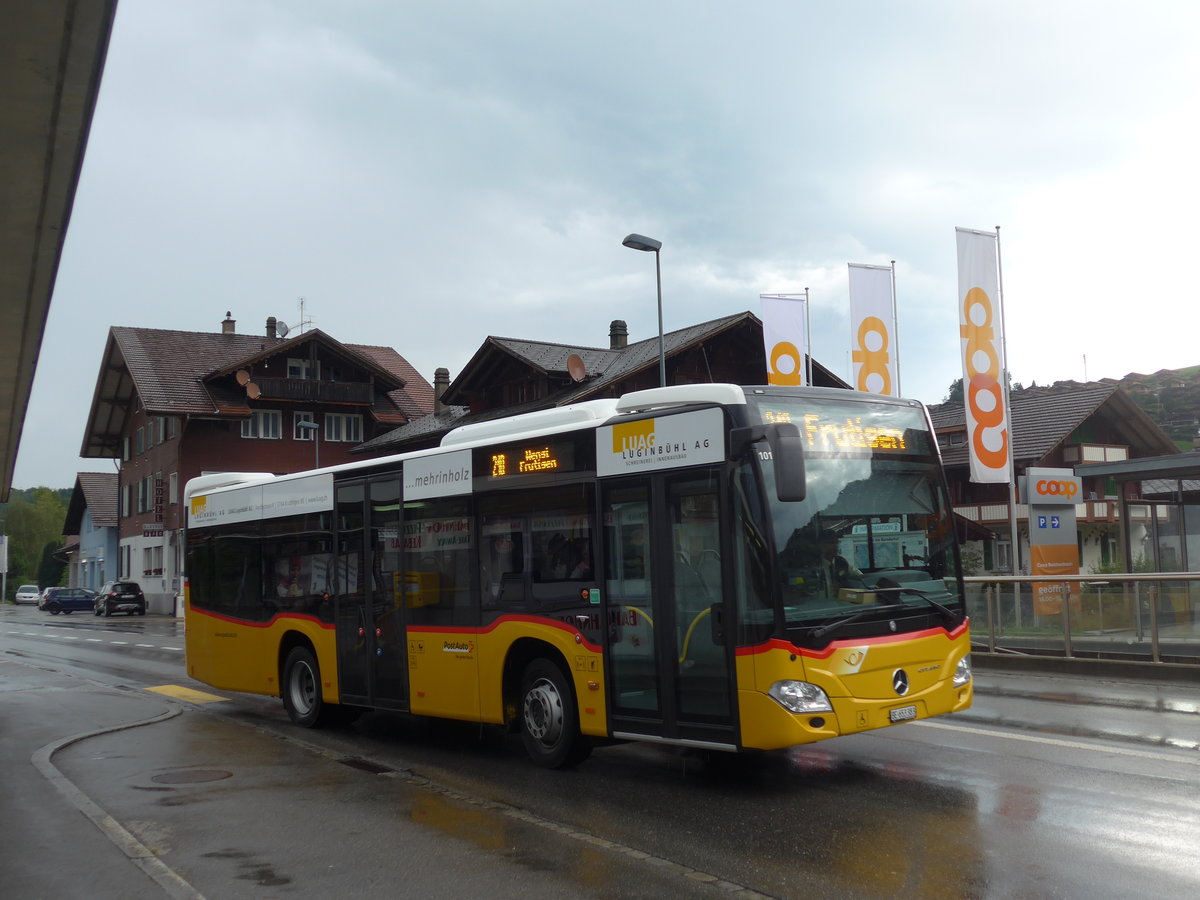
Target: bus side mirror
786,454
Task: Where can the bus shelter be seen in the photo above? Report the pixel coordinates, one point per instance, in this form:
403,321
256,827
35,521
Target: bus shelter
1160,518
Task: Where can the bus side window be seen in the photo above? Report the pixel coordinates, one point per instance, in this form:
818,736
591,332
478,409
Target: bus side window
439,544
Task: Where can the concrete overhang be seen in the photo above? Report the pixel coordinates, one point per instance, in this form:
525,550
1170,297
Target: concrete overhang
1179,465
51,58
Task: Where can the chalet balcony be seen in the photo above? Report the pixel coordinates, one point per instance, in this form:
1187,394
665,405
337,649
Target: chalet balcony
997,513
302,391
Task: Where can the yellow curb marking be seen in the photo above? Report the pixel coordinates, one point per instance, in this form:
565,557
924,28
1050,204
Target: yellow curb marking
181,693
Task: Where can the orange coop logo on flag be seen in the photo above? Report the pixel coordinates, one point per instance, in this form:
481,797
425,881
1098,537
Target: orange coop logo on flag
873,330
785,338
982,334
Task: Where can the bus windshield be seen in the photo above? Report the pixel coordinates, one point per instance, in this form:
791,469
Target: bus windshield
872,543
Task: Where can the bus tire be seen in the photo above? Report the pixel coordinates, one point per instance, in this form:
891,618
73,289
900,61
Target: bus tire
301,692
549,718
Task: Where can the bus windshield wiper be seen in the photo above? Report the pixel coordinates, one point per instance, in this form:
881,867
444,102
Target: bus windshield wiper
823,630
950,615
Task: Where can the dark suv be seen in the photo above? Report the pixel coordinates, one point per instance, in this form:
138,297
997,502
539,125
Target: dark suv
120,596
66,600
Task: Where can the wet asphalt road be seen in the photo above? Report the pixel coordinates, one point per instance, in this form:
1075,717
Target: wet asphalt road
1039,791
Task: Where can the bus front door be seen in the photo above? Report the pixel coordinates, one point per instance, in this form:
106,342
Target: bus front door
669,665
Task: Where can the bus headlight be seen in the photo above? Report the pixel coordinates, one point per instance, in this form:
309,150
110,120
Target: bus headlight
800,697
962,672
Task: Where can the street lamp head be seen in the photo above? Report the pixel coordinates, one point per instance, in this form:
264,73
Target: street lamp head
641,242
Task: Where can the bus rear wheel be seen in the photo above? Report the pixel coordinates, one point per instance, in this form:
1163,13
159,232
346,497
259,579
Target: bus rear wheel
549,718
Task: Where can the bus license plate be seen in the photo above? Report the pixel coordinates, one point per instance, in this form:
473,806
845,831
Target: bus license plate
903,714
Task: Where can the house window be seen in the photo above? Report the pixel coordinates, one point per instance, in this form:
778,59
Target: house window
1003,556
125,495
173,488
303,434
300,369
139,444
344,428
263,423
145,494
172,425
125,449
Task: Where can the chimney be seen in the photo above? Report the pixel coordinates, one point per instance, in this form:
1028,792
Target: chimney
618,335
227,327
441,381
271,327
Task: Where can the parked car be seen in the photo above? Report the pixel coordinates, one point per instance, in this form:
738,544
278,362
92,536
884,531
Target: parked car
120,596
67,600
27,593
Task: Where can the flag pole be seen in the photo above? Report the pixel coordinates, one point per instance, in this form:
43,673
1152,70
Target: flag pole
896,328
808,341
1005,381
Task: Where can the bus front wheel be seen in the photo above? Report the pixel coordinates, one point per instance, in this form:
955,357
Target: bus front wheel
549,719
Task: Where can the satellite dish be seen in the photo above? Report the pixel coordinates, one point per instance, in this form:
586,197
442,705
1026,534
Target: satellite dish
243,377
576,368
281,328
253,391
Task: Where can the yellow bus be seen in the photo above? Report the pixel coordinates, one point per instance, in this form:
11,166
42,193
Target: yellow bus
711,566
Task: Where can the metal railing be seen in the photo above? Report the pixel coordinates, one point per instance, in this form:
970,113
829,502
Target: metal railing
1148,618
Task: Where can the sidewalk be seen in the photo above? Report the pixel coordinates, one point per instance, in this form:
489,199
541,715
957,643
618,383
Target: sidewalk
180,803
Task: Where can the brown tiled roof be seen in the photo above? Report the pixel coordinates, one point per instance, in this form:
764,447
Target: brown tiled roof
1043,418
604,367
95,491
178,373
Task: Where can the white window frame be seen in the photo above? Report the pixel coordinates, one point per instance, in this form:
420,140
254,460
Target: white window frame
343,428
263,424
302,369
173,488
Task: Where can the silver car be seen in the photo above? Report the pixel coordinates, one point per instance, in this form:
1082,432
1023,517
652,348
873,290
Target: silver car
27,593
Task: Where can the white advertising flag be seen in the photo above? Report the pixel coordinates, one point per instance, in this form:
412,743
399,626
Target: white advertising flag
873,330
980,325
785,338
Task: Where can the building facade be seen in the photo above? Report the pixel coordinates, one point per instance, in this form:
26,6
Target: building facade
1058,427
172,405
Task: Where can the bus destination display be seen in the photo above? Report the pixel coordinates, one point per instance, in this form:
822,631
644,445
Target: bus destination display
831,433
538,459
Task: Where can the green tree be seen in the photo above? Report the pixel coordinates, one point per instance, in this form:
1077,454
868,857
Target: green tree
51,569
954,394
33,519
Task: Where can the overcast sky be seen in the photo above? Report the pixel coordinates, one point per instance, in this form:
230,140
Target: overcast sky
426,175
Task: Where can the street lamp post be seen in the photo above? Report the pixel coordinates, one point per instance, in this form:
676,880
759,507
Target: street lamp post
641,242
311,428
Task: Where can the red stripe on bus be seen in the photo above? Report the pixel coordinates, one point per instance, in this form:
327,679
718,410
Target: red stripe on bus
789,647
267,624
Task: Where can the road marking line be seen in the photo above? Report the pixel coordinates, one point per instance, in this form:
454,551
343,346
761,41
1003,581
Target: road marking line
120,643
183,693
151,646
94,640
170,648
1059,742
